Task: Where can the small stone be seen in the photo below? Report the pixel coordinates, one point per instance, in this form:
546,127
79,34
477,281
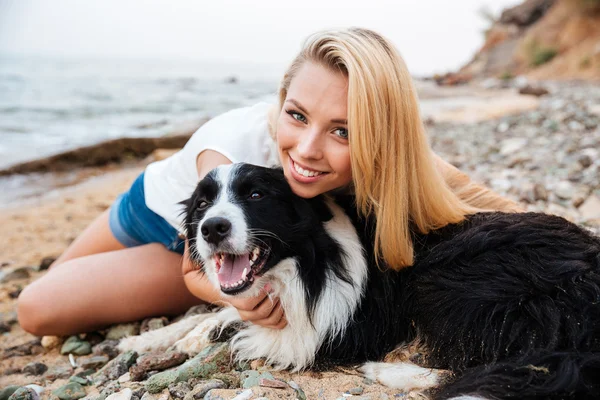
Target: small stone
201,389
576,126
368,381
164,395
93,362
126,377
124,394
32,347
590,209
74,345
123,330
564,190
7,391
45,263
231,380
272,383
533,90
12,371
540,192
179,390
110,388
155,362
51,342
70,391
356,391
512,145
93,338
24,393
299,392
249,378
35,368
78,379
503,127
37,388
15,293
244,395
15,274
585,160
117,367
212,359
108,348
257,364
60,372
4,327
9,317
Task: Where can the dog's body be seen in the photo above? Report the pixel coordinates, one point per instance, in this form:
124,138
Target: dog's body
509,303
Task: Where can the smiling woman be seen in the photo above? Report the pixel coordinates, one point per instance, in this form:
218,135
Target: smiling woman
312,132
347,120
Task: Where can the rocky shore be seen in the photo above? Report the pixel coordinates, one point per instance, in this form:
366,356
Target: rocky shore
547,158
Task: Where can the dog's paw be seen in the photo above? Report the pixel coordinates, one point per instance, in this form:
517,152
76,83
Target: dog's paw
404,376
200,337
140,344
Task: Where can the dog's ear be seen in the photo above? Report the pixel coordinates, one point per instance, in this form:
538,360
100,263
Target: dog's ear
187,204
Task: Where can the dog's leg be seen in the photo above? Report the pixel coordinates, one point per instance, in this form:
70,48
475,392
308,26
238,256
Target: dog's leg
161,339
406,376
208,331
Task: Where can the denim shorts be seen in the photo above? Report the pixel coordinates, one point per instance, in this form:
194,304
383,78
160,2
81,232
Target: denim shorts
134,224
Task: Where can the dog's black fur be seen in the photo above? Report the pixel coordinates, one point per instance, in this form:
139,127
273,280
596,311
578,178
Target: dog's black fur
510,303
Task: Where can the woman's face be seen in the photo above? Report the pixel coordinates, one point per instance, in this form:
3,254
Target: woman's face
312,131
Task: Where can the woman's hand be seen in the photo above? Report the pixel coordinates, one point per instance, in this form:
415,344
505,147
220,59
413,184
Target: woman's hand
260,310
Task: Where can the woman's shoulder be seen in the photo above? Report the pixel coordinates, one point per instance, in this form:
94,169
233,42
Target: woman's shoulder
239,134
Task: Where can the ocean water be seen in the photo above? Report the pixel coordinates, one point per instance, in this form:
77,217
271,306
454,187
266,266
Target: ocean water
49,105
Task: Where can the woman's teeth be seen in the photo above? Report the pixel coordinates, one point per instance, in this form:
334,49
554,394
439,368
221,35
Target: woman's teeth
306,172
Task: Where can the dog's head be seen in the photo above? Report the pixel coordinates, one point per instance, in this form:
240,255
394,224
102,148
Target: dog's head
242,220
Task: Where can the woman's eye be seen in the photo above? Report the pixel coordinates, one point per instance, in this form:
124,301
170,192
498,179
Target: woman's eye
342,132
256,195
297,116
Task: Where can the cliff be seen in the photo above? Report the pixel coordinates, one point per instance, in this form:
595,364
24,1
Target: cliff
541,39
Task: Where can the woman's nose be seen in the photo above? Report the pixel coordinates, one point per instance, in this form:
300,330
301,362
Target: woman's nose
310,145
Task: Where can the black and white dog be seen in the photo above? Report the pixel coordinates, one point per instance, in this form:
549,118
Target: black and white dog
499,306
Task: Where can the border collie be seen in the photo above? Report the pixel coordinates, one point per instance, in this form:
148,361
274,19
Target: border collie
498,306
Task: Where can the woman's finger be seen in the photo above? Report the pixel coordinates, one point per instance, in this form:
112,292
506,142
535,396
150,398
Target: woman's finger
274,320
249,304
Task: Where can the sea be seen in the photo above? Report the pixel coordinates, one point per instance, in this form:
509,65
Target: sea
49,104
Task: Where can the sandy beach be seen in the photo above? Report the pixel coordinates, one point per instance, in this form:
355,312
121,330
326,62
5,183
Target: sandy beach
496,135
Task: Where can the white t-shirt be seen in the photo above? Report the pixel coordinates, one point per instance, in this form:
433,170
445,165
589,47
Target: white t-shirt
241,135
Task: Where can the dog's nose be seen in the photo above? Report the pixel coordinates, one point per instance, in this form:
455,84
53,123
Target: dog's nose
214,230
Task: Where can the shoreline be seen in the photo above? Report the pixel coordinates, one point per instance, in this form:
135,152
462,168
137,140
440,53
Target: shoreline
35,178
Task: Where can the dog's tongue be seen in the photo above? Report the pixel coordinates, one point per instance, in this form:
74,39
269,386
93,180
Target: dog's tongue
232,268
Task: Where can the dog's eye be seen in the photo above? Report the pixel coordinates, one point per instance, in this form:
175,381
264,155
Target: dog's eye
203,205
255,195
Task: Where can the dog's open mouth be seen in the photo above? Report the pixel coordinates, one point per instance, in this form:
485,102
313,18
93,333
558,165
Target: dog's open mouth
236,272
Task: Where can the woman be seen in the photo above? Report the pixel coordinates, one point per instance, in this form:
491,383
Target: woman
347,119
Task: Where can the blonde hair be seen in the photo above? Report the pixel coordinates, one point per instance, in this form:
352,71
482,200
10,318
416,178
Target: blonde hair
393,169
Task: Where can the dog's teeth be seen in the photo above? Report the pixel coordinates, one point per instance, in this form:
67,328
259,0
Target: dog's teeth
244,273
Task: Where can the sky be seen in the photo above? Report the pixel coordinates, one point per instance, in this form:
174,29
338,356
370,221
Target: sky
433,36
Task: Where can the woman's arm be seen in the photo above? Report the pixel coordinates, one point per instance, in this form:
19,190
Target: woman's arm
476,195
259,310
